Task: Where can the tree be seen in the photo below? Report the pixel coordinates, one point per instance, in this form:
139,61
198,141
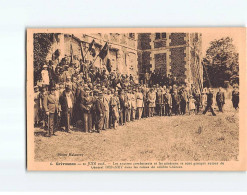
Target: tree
221,63
41,44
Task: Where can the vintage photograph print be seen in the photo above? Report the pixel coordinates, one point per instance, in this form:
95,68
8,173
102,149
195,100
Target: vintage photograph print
140,99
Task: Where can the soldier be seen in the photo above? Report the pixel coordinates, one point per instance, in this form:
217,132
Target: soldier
139,103
100,112
209,103
235,97
220,99
66,101
51,108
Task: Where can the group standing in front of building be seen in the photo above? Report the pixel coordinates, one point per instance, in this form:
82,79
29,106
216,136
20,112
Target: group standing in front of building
81,95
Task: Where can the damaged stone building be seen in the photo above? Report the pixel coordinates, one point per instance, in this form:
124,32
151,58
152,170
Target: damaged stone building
122,49
177,54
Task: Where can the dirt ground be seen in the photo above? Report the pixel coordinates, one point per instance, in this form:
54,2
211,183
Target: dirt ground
176,138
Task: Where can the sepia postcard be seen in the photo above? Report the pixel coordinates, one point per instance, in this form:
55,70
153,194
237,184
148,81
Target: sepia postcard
136,99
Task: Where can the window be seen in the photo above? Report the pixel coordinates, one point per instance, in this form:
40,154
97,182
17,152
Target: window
132,35
157,35
160,36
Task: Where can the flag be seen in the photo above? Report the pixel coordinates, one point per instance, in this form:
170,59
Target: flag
108,65
82,56
91,48
91,45
103,53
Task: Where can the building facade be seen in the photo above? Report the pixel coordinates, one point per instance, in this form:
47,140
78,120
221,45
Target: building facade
122,51
177,54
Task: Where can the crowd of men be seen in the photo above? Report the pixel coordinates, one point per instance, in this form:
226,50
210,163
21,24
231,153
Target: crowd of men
77,94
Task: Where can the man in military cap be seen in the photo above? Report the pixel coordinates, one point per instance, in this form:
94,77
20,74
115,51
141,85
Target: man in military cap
66,101
51,107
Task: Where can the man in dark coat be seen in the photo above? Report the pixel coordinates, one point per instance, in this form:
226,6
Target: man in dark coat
183,101
66,101
123,100
175,102
159,101
51,107
197,97
86,104
235,98
220,99
100,112
209,103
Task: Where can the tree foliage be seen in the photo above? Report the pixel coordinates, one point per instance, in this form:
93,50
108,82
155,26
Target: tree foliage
41,44
221,63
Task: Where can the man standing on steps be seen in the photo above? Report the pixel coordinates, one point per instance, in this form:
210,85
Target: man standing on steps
209,103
